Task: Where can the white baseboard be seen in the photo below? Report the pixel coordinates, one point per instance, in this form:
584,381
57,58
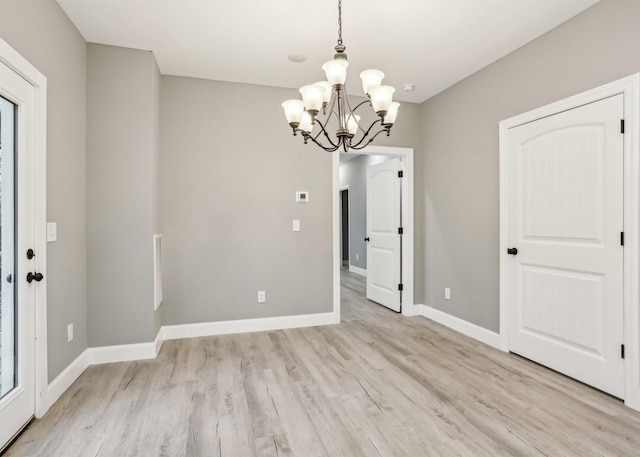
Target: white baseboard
63,381
159,340
358,270
455,323
143,351
173,332
122,353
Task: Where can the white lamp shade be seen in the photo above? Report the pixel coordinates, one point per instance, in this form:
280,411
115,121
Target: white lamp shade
392,113
371,79
336,71
327,90
381,98
312,97
293,110
306,125
352,124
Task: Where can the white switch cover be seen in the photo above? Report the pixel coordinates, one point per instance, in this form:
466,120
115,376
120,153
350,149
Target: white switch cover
262,296
296,225
52,232
69,333
447,293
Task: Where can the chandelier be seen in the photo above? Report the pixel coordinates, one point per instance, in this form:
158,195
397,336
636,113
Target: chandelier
330,97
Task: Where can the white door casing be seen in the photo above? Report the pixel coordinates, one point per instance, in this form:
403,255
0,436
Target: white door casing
384,242
566,216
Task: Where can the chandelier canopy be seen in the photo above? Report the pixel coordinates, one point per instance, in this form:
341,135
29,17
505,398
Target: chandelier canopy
330,97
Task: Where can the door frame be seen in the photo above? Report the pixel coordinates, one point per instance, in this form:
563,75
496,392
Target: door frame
406,154
12,59
630,88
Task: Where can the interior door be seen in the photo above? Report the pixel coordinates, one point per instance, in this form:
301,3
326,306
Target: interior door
565,220
17,215
384,242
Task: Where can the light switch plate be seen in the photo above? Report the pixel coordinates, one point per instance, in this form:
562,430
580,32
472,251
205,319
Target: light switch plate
52,232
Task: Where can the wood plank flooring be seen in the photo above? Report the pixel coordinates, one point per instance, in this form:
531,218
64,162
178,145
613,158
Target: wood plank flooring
377,385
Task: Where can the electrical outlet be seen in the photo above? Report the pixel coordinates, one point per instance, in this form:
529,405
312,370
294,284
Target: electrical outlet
70,333
447,293
262,296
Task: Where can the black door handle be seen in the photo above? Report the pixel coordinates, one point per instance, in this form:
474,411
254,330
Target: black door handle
512,251
9,278
34,276
367,239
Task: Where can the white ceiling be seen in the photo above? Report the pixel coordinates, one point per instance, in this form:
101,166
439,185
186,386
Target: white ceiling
430,43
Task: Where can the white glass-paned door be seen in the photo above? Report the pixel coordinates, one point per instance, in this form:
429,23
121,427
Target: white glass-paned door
17,236
8,330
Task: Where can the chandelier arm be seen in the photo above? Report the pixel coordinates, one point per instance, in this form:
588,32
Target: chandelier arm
364,136
326,148
326,134
360,104
358,147
332,102
353,111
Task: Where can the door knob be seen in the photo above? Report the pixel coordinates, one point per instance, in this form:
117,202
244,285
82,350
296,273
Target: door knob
34,276
512,251
367,239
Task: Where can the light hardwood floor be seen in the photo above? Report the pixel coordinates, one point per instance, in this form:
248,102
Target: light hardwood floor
378,384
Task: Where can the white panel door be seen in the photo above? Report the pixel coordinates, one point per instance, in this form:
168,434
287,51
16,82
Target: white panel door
384,242
565,220
17,216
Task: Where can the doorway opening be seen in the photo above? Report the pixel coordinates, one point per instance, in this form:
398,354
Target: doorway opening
354,187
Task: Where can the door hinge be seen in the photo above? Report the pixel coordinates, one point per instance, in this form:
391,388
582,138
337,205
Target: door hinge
400,231
622,351
400,287
621,238
621,125
400,174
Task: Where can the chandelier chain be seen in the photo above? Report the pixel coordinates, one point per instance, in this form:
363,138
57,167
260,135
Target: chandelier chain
339,21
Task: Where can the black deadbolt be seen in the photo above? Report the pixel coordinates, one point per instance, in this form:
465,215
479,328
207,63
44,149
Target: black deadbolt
30,254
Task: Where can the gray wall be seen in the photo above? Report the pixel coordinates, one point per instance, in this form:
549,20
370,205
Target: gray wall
460,143
229,172
123,88
41,32
353,173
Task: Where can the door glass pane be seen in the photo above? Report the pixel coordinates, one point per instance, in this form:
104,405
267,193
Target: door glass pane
8,309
